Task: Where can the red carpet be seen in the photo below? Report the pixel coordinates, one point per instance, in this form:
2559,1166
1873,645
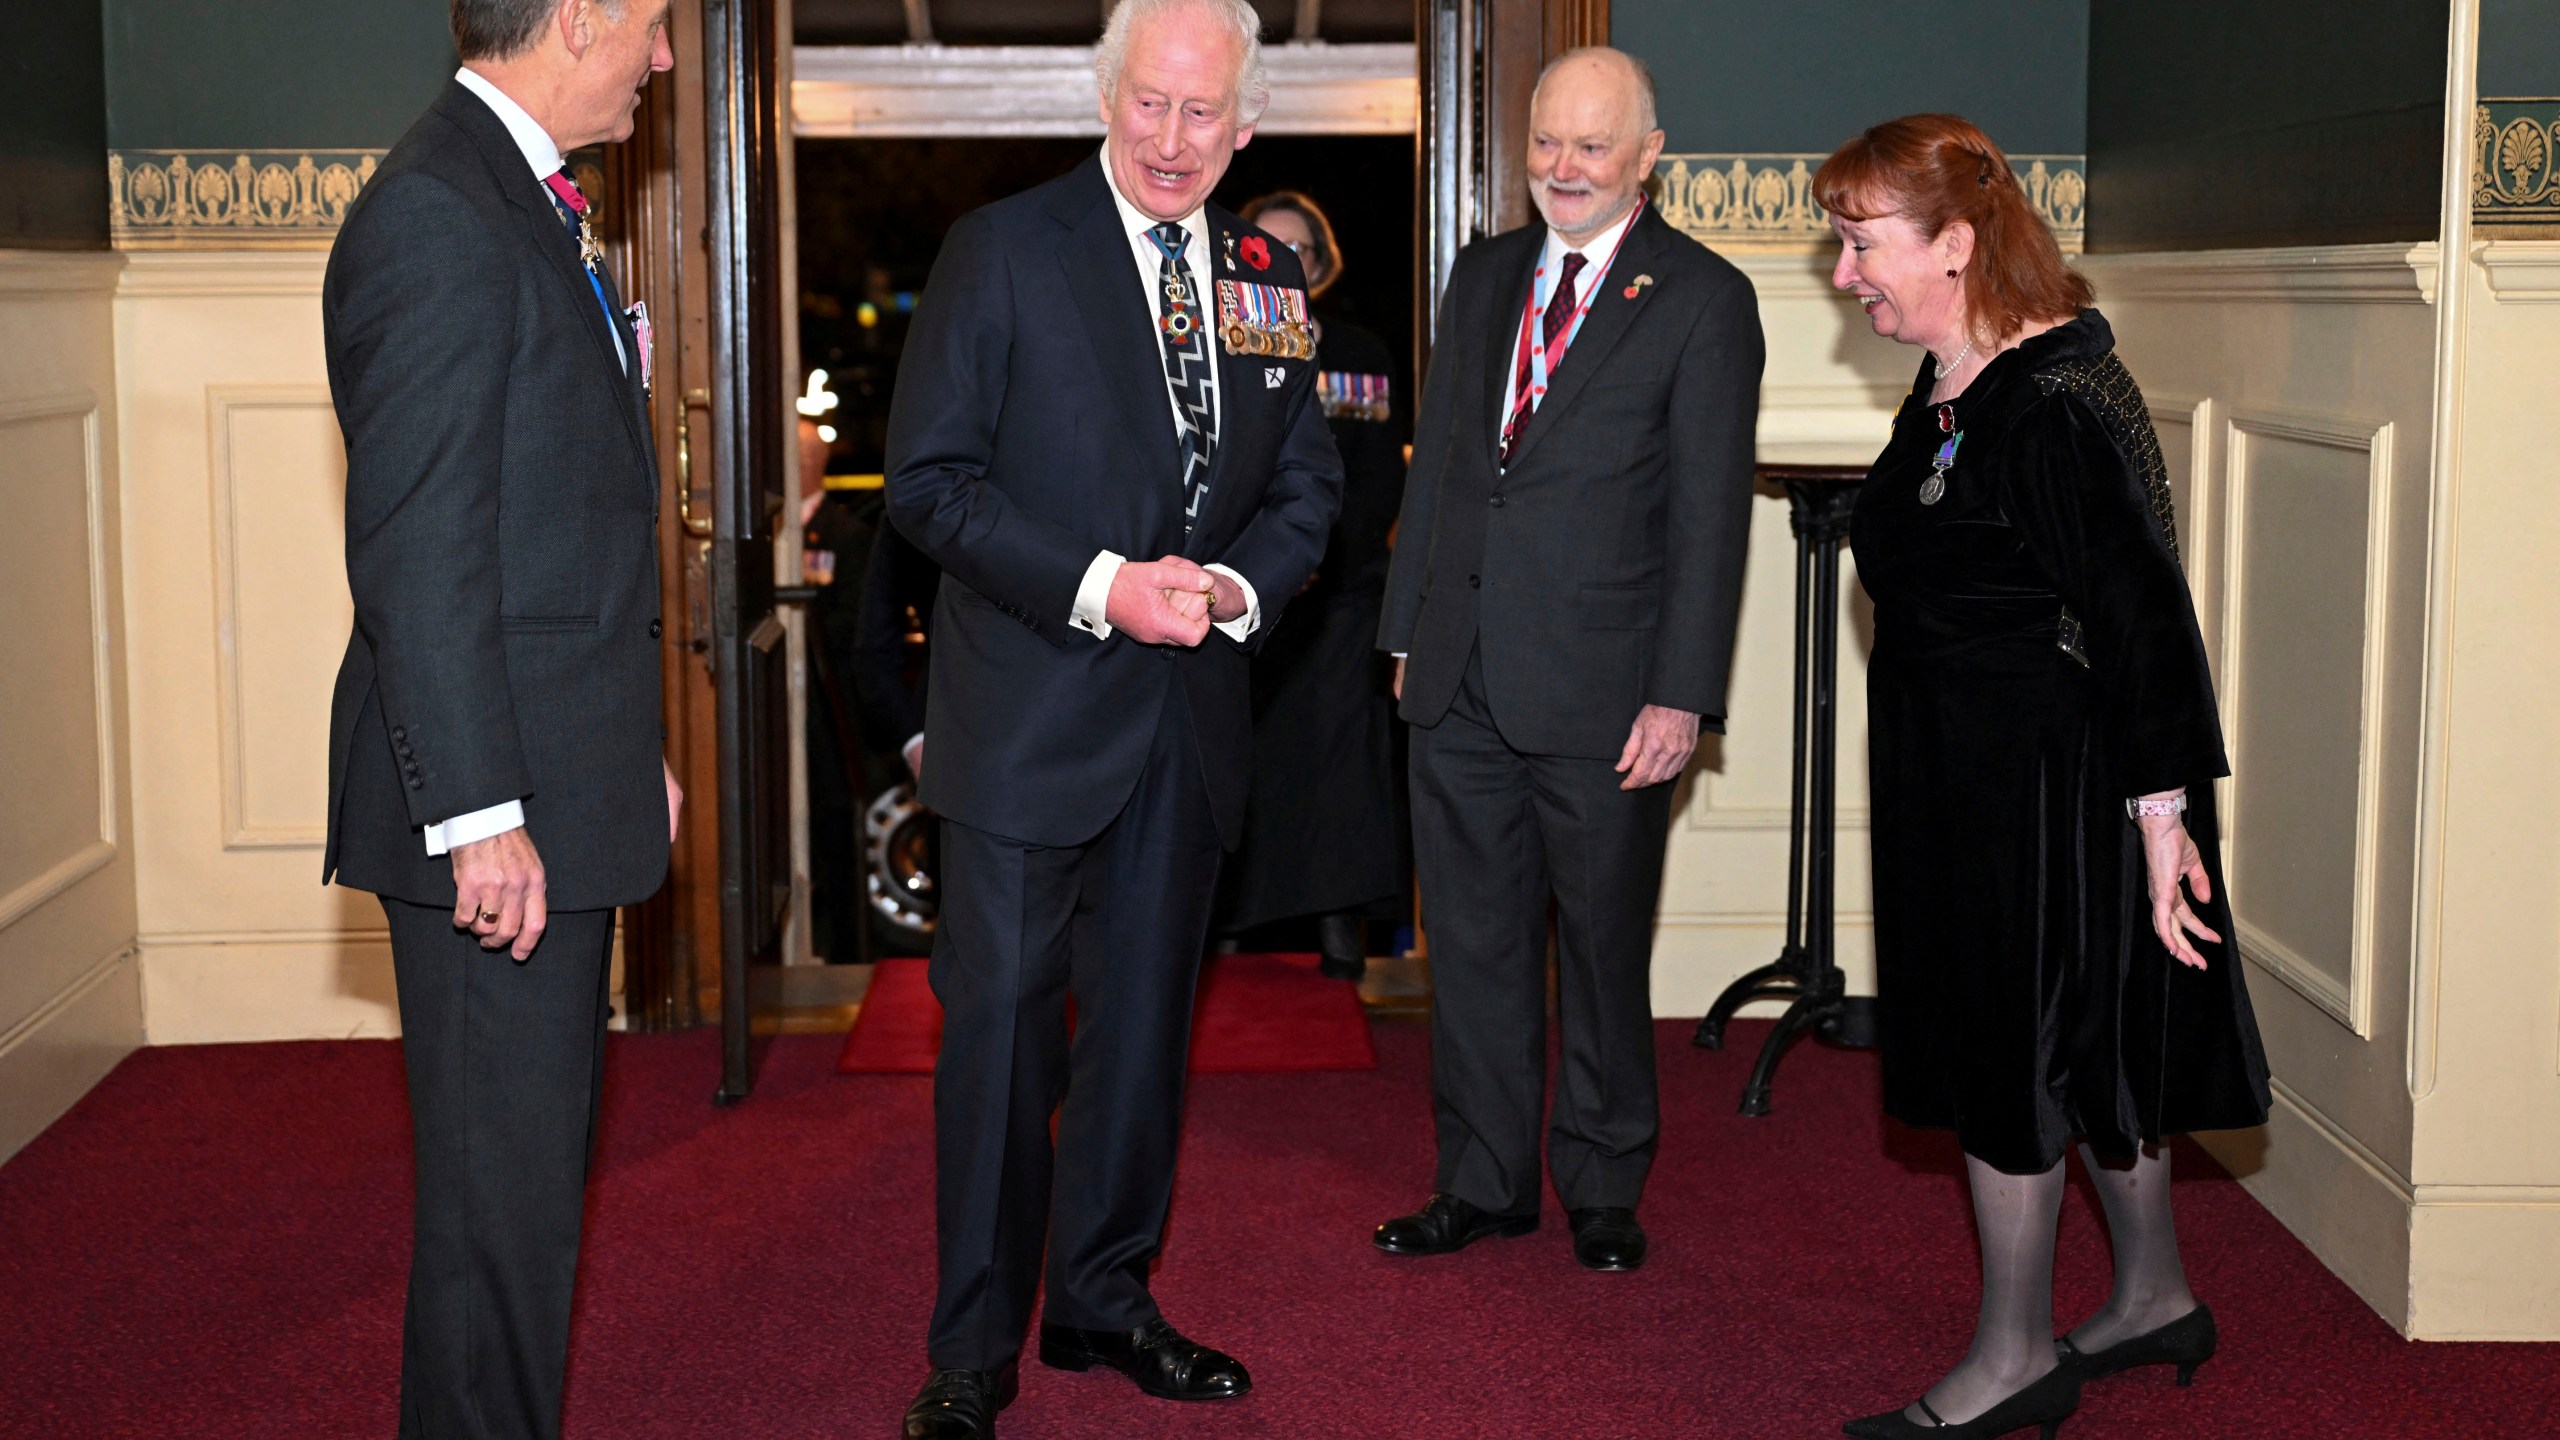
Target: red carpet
212,1245
1255,1014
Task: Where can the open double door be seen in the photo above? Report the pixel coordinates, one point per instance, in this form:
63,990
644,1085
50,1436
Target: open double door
696,206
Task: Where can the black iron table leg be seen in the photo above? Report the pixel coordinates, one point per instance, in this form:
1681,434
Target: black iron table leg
1806,974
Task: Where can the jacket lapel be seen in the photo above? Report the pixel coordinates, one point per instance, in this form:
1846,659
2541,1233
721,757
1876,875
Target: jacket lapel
1502,341
515,181
1611,312
1100,276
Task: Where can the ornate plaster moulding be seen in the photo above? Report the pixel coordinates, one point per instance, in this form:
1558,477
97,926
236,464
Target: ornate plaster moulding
2521,272
2396,273
962,91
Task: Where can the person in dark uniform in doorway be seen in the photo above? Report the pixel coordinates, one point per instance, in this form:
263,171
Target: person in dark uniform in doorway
1320,830
836,531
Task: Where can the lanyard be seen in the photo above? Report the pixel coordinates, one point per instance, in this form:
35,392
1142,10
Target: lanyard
1543,358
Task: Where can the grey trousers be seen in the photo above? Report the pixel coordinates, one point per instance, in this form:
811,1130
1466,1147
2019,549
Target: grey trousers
1496,833
505,1063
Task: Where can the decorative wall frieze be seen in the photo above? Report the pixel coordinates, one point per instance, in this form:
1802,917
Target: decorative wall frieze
1765,202
232,199
2515,168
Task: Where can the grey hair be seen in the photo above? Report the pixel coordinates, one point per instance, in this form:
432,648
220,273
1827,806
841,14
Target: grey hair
1647,120
1253,80
504,29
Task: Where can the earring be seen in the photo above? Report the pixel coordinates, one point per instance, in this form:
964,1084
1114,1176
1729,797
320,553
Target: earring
1951,274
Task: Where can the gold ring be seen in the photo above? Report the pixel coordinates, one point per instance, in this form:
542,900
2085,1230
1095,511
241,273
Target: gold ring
488,914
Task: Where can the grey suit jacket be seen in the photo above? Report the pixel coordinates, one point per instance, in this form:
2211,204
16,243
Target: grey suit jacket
1602,571
502,500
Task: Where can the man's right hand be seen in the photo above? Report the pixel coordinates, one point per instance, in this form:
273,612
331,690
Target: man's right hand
498,893
1399,685
1161,602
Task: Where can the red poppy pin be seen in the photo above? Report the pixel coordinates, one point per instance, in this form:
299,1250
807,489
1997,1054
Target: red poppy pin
1256,252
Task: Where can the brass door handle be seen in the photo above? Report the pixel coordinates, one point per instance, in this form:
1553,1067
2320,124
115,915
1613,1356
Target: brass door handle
685,407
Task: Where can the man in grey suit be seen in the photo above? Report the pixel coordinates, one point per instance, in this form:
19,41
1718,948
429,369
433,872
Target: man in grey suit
496,772
1566,578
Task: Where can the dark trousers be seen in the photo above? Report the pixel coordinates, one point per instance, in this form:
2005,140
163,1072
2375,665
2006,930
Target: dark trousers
1121,921
1495,832
504,1065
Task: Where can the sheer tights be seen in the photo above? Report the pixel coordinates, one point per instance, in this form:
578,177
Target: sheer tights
2016,1216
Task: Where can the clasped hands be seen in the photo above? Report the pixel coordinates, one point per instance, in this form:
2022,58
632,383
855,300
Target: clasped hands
1172,601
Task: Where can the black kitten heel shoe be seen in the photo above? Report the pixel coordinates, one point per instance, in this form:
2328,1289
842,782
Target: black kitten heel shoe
2186,1342
2042,1406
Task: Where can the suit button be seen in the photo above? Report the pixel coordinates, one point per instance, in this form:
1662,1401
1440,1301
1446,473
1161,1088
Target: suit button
656,629
397,733
1474,583
417,784
1496,502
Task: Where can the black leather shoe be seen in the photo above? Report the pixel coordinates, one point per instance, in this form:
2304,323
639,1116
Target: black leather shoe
1155,1355
1342,939
2186,1342
960,1404
2042,1406
1607,1237
1445,1225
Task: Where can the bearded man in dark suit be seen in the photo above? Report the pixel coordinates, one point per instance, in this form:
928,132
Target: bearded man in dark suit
495,764
1563,595
1103,368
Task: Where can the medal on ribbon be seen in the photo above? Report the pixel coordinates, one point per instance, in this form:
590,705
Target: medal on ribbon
1934,489
1267,320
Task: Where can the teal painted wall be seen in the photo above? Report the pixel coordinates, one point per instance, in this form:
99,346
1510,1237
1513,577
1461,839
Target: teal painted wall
2278,122
2520,48
53,129
271,74
1803,76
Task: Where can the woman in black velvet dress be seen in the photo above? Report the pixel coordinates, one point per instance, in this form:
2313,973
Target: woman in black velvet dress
2051,930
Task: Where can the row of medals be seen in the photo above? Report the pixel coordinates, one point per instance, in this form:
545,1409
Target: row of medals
1286,341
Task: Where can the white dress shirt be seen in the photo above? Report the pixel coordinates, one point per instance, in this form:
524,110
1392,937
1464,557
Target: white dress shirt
1093,597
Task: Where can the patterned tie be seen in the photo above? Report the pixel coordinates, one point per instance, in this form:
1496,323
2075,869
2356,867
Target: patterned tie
1559,314
573,206
1187,366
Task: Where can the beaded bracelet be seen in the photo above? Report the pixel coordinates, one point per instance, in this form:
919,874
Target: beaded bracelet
2175,805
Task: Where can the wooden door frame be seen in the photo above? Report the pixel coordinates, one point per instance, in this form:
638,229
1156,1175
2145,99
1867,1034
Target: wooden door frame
1478,62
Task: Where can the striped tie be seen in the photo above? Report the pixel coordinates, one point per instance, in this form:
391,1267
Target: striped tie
1188,369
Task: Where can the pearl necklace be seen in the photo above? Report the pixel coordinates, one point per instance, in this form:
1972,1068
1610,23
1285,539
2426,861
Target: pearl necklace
1957,363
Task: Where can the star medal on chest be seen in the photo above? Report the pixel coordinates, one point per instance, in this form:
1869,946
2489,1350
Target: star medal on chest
1934,489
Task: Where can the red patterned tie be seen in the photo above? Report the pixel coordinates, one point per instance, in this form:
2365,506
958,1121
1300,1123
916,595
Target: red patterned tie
1559,314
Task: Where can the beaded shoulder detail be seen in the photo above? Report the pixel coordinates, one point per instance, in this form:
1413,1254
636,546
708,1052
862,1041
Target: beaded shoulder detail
2103,384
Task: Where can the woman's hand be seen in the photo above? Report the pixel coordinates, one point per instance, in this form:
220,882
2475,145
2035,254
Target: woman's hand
2170,856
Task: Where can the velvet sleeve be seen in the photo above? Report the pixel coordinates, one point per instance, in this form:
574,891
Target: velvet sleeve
2088,523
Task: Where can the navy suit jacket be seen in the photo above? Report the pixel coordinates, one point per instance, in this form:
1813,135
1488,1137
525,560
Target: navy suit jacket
502,547
1031,430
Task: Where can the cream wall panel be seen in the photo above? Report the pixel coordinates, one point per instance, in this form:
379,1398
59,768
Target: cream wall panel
2306,567
1827,397
2333,344
69,1008
235,475
279,479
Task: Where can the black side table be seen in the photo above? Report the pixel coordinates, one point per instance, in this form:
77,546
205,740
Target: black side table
1806,974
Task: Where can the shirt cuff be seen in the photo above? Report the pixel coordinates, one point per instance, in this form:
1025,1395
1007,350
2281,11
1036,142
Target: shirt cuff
1093,597
1251,620
461,830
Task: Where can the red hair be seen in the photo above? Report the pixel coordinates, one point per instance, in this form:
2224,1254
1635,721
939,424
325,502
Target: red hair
1934,170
